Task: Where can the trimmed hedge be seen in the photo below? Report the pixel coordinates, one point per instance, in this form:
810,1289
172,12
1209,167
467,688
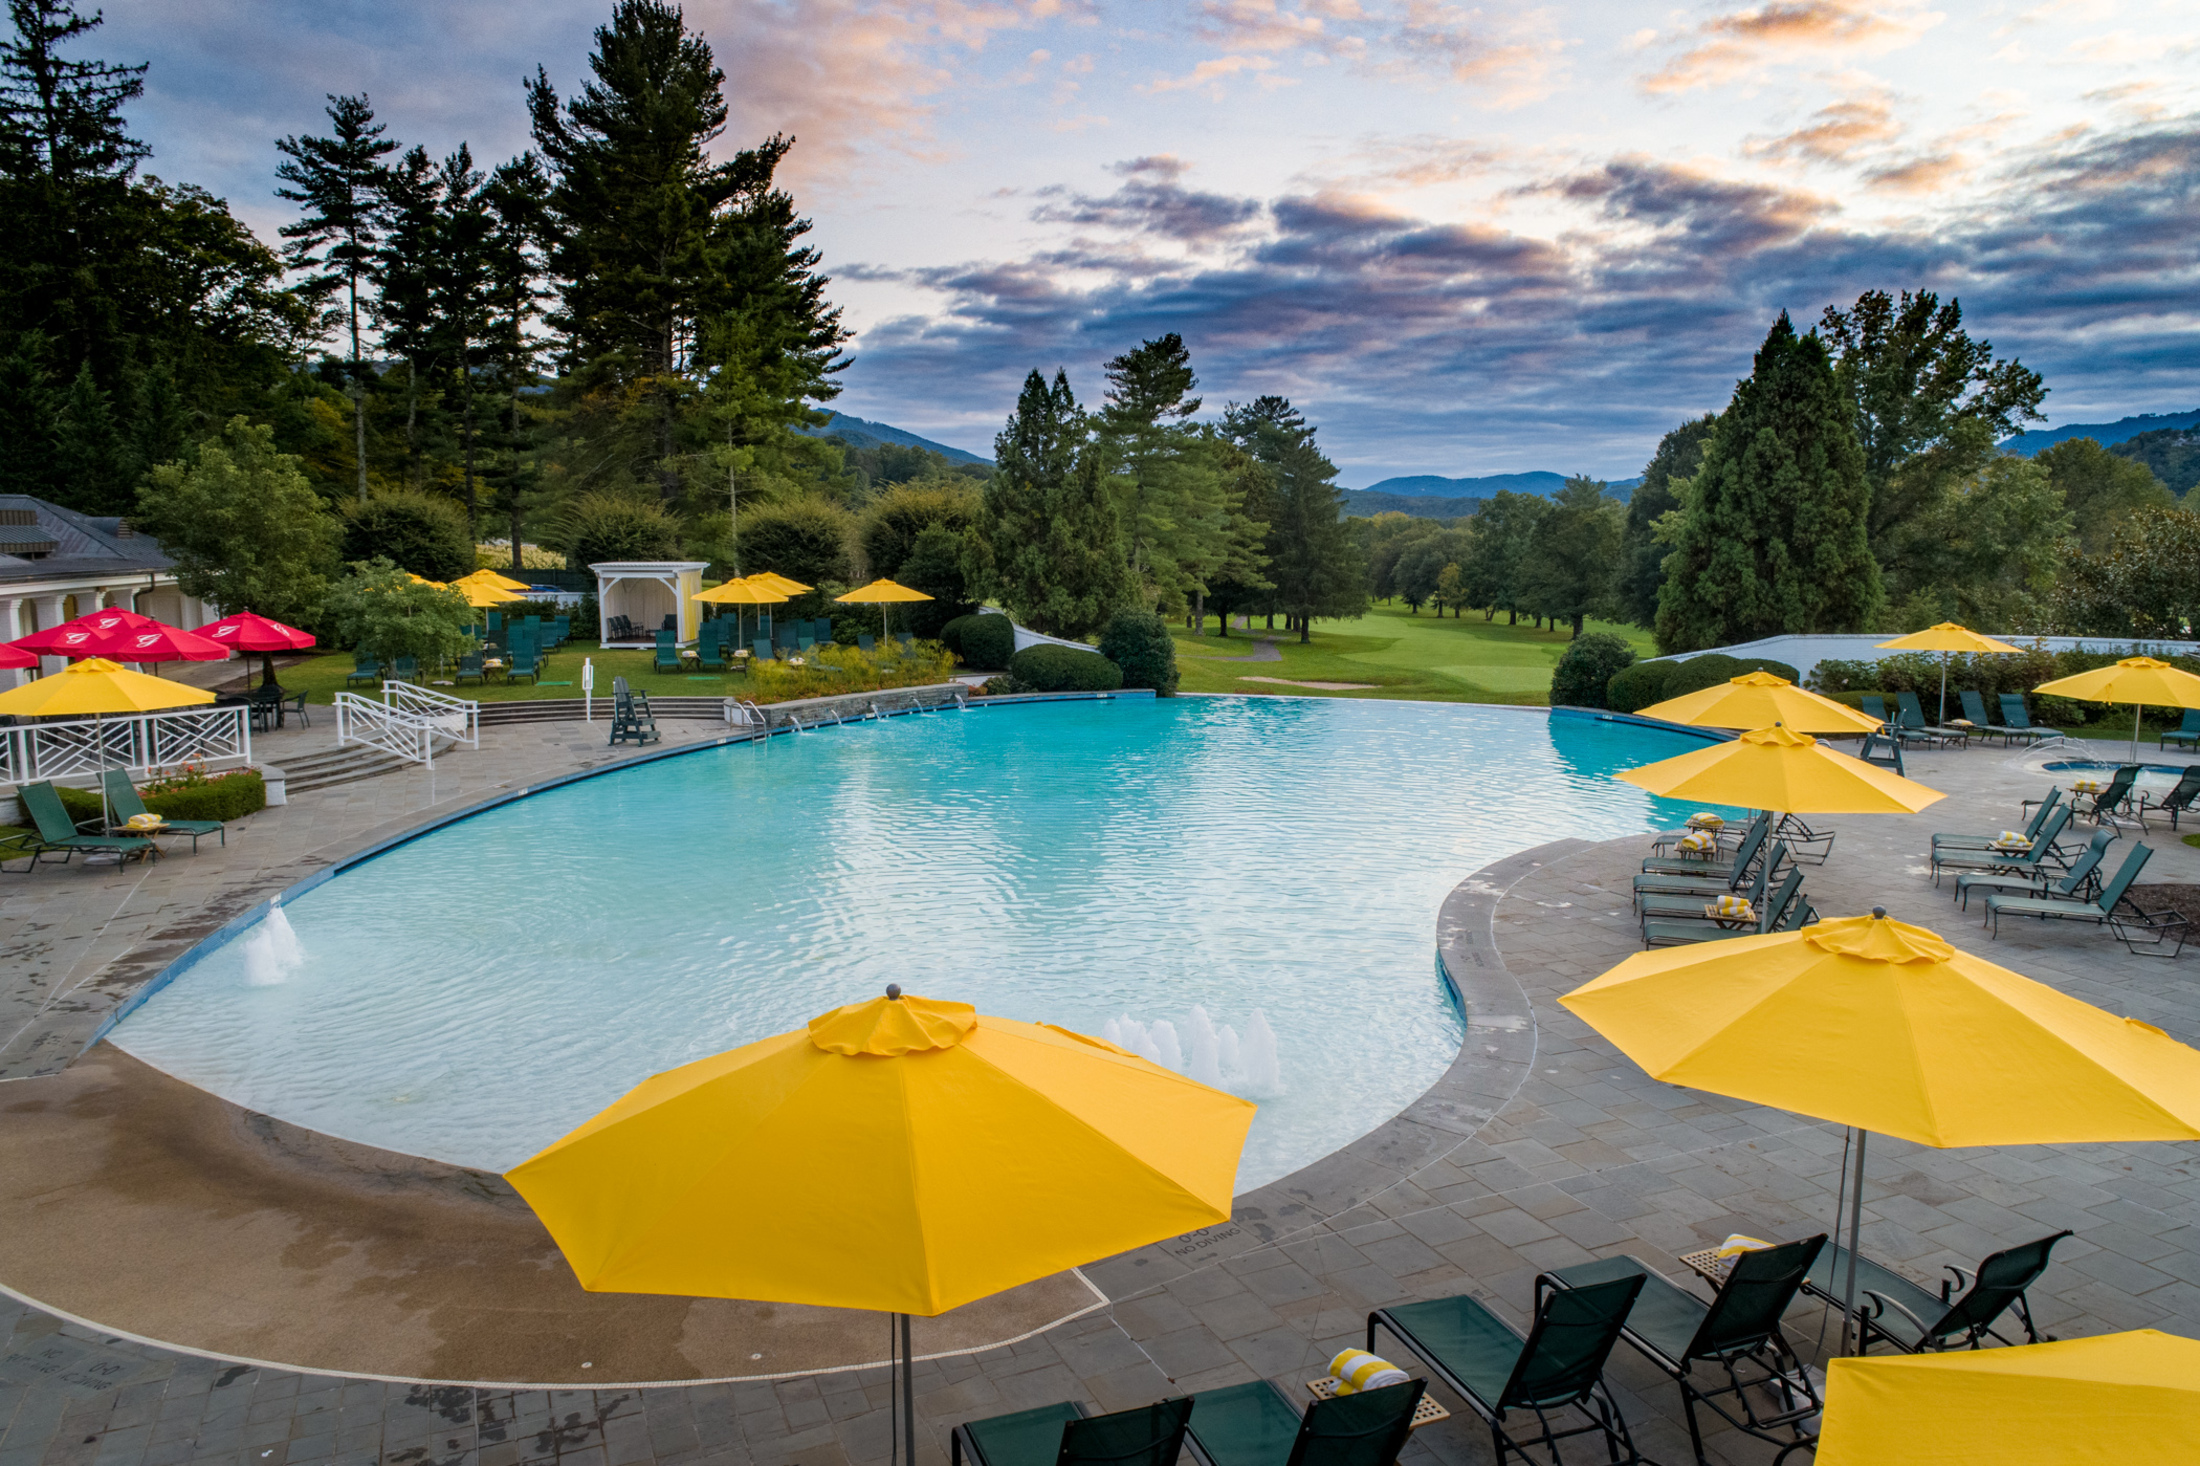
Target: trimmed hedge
228,796
1050,668
1640,685
1712,668
951,635
1583,676
1140,644
985,643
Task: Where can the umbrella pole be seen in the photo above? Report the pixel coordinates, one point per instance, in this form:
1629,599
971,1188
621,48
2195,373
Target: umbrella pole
1945,659
2136,709
1856,1221
908,1398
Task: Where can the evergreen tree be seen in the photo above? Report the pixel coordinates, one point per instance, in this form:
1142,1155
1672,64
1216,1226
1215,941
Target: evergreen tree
460,285
1568,571
27,460
89,452
337,181
1642,553
1170,497
514,199
1773,535
1050,546
405,285
1313,559
1505,529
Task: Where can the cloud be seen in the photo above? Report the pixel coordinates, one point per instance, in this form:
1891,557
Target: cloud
1209,75
1835,133
1151,201
1928,174
1739,45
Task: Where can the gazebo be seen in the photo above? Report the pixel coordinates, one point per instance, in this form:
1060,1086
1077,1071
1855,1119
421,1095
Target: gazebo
645,592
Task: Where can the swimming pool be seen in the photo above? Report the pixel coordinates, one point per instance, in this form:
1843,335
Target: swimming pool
1245,888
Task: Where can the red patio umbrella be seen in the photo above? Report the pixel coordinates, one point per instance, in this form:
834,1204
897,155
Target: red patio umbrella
252,633
12,657
123,636
75,639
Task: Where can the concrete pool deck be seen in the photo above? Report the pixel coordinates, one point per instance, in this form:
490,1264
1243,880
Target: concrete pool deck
1547,1149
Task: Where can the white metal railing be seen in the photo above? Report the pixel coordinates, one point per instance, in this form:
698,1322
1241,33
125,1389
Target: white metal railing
458,717
139,742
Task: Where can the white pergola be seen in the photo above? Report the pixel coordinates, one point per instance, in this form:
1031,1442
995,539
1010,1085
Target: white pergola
645,592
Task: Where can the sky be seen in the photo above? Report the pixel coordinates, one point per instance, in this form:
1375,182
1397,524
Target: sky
1461,239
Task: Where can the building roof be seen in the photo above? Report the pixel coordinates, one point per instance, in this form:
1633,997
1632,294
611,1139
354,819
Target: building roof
42,541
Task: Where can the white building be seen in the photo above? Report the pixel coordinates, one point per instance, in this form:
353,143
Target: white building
57,565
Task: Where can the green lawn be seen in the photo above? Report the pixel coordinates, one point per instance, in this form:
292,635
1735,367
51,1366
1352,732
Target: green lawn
1453,659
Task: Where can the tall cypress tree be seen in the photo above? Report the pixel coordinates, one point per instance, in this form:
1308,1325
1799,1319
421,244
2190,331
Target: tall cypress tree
1641,556
1315,564
1052,547
1773,536
404,277
337,181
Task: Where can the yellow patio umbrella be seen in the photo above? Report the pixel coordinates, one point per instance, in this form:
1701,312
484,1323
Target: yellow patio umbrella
1948,638
902,1154
2116,1398
2139,681
95,687
1773,768
480,593
742,592
881,593
504,582
1759,700
1883,1026
776,581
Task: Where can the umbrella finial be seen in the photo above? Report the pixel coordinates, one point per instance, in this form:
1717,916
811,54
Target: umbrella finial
893,990
1879,913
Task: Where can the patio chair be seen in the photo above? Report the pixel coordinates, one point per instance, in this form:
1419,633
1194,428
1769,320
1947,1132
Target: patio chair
2186,734
56,831
1805,845
1737,1333
908,640
2175,803
1890,725
1776,914
760,650
1982,722
710,656
123,803
522,663
2132,928
2077,885
1753,840
266,705
363,669
1680,896
1896,1311
469,667
824,628
562,628
2019,722
1883,747
864,642
2031,828
494,620
1558,1367
668,655
1065,1435
2107,802
1255,1425
404,669
1911,715
1986,857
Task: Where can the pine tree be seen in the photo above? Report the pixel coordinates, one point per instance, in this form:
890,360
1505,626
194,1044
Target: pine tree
459,297
1773,535
404,277
27,462
1163,498
338,182
514,198
1050,546
89,451
1313,559
1642,555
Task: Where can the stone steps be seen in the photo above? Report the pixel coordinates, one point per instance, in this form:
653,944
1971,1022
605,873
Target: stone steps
328,767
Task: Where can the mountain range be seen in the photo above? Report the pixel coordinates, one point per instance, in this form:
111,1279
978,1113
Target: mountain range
858,433
2106,434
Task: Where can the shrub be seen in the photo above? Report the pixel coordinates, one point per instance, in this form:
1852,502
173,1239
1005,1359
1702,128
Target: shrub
1140,644
1640,685
1050,668
897,517
191,795
1712,668
380,610
935,566
988,642
1585,671
1002,686
951,635
600,527
833,669
802,539
413,531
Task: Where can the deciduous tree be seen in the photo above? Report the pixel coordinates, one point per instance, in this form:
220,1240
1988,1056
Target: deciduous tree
245,529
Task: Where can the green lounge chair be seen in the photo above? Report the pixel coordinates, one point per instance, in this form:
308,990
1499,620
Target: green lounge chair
494,619
522,663
2019,722
56,831
1689,898
2186,734
710,655
1896,1311
363,669
1739,872
1910,714
2101,911
1781,913
123,803
1678,865
1558,1367
2107,803
760,650
469,668
1064,1435
2031,828
2177,802
864,642
908,640
1890,726
1767,1393
1256,1425
404,669
1974,708
1986,857
668,655
2073,886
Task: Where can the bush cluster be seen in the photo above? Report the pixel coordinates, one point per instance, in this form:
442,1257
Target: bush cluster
1919,672
1584,674
1050,668
1140,644
228,796
1638,686
984,642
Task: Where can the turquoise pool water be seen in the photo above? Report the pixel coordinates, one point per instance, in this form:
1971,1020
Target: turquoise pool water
1269,867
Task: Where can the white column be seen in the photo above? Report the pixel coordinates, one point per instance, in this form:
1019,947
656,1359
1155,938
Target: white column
49,616
11,627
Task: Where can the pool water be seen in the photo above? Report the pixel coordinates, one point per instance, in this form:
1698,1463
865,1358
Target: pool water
1246,888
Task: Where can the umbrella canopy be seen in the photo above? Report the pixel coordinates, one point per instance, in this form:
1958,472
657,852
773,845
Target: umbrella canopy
12,657
80,637
1882,1025
776,581
158,643
1949,637
742,593
2115,1398
1772,768
2136,680
1759,700
902,1154
482,593
250,633
502,582
879,592
96,686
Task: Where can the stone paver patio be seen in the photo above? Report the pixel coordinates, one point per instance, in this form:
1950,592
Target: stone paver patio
1541,1147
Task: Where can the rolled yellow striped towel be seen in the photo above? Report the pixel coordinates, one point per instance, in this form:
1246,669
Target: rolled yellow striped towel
1737,1244
144,822
1698,842
2012,840
1706,820
1356,1370
1731,908
2085,786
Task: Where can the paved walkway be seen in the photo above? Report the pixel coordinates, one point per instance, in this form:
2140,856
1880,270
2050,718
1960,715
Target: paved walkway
1541,1147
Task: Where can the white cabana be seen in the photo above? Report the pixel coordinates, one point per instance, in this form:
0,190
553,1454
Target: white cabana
645,592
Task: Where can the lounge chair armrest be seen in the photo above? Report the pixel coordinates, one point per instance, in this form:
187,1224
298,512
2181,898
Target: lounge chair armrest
1884,1303
1963,1280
